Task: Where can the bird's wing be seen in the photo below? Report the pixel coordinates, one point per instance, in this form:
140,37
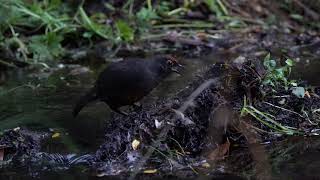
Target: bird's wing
134,76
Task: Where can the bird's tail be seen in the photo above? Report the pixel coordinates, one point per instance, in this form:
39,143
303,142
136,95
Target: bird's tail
84,100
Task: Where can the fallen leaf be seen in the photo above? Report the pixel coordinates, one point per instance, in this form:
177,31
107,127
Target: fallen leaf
55,135
150,171
158,124
202,35
206,165
220,152
135,144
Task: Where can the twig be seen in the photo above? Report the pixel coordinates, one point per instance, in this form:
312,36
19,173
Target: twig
178,10
283,109
256,128
7,64
197,92
236,9
283,96
307,117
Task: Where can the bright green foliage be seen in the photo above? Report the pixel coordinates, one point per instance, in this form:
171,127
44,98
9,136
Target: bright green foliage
146,14
45,16
277,76
46,47
217,7
34,30
126,33
92,26
163,8
10,15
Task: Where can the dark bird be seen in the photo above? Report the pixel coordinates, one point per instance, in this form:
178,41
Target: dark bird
126,82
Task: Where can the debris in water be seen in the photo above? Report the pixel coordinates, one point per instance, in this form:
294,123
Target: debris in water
56,135
135,144
150,171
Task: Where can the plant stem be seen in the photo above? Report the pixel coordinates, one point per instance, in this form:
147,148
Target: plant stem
184,26
149,5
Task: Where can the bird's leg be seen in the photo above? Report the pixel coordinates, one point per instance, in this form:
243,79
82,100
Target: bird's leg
119,111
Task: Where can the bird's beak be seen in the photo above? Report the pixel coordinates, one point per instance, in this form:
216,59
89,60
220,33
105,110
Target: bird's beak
177,68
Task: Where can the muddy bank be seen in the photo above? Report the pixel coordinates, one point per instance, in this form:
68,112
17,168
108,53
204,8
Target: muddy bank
186,135
176,129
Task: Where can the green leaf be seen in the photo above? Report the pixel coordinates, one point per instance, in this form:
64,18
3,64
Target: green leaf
289,62
270,64
164,7
89,24
296,16
38,48
53,41
267,58
46,47
217,7
293,83
298,91
146,14
109,6
125,31
279,73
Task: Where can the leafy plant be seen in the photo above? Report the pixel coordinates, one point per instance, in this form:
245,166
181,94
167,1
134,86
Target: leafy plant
48,21
145,14
92,26
163,7
266,119
278,75
126,33
217,7
46,47
44,14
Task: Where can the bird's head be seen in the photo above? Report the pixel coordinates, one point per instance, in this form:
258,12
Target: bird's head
168,64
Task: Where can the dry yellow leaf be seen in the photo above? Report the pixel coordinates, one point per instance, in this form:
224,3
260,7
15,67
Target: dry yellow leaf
220,152
55,135
206,165
135,144
150,171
